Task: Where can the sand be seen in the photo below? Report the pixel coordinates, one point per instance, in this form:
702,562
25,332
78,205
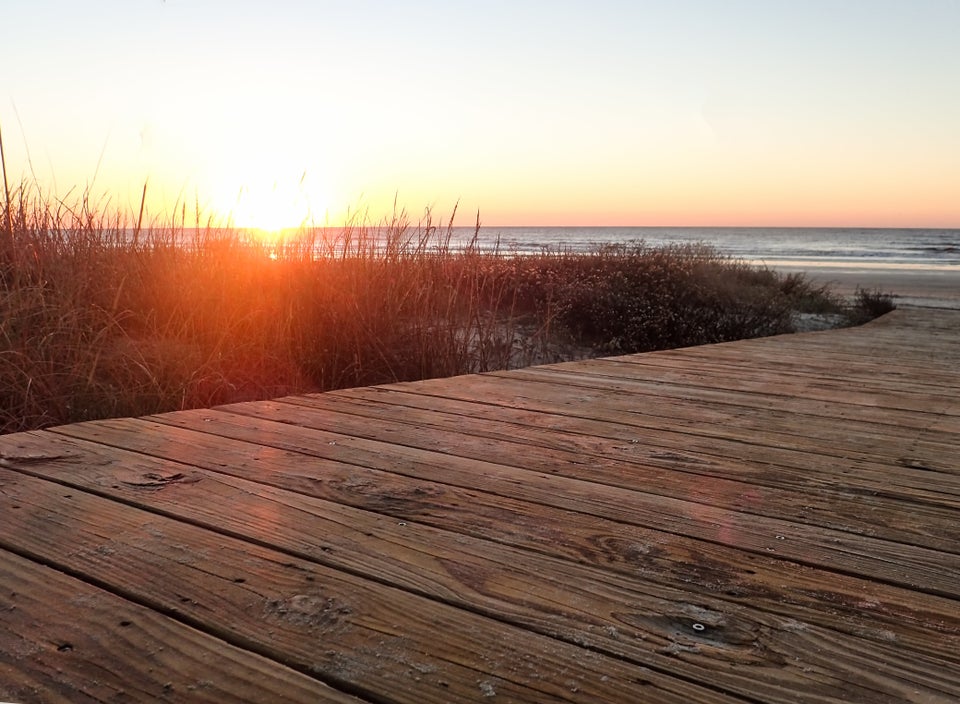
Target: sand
927,288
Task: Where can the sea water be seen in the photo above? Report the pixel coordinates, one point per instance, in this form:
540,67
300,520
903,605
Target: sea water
915,249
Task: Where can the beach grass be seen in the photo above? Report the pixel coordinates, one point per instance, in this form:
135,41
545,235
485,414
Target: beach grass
100,318
869,304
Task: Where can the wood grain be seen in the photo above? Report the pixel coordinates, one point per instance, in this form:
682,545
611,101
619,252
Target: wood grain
813,498
353,633
64,640
621,616
655,555
419,455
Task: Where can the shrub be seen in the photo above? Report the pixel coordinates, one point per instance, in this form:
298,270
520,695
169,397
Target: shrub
870,304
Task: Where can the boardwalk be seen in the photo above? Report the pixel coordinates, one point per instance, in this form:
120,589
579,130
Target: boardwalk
774,520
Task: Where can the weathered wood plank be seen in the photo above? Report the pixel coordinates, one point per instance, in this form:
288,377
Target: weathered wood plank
739,649
897,350
562,426
813,388
901,516
879,389
904,334
905,337
657,396
412,454
63,640
802,360
610,401
354,633
669,392
614,393
696,566
635,395
902,348
787,369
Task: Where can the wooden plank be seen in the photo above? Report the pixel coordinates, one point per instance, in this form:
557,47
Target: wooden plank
893,355
610,441
914,567
897,380
927,320
63,640
376,641
639,417
786,374
920,327
613,393
801,359
420,456
763,382
901,346
560,424
766,397
596,399
740,412
900,517
778,658
906,336
851,352
909,350
931,335
660,557
656,556
618,468
664,393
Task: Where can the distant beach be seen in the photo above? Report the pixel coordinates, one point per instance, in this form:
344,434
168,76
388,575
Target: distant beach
923,287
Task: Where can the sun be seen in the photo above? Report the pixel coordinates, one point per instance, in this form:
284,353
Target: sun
270,208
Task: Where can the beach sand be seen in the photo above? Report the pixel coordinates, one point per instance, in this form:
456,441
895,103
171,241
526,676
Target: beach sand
927,288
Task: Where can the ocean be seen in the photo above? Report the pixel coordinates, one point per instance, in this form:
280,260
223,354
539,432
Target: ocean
801,248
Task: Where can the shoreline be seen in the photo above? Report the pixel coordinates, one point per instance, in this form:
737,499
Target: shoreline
923,288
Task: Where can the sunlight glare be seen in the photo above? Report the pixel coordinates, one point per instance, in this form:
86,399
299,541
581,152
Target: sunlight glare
270,206
270,209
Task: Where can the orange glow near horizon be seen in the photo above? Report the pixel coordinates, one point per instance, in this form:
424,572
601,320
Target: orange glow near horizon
277,206
623,114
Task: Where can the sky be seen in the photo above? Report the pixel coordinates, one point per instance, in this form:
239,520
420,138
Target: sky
600,112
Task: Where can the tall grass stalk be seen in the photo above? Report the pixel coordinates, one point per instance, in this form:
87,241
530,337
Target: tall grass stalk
6,195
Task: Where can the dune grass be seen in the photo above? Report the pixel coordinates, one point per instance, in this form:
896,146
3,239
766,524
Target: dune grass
99,318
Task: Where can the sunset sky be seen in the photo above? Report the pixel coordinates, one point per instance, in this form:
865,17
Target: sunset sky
634,112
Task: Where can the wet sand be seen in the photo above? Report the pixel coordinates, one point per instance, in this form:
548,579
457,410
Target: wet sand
927,288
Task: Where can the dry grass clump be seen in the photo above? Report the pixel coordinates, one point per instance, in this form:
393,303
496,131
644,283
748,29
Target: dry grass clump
99,319
870,304
635,298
